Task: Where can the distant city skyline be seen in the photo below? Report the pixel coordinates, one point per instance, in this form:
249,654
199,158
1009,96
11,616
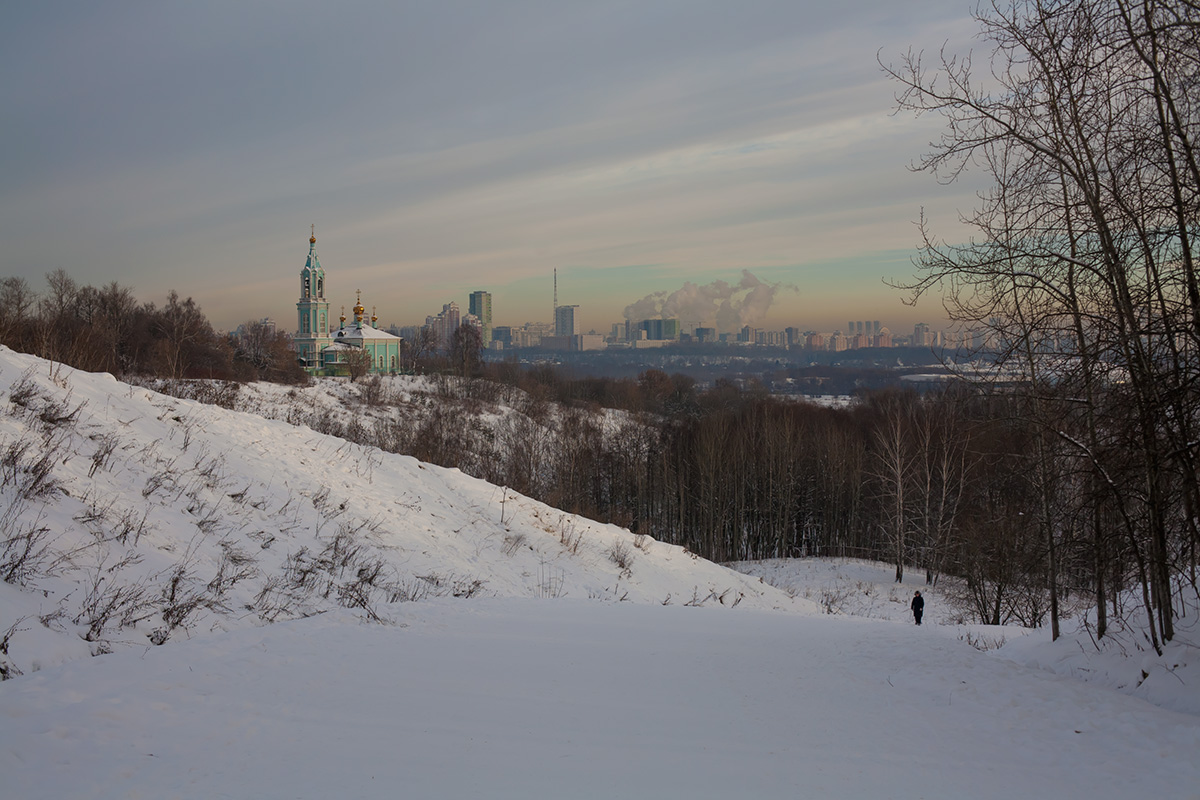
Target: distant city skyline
444,149
754,302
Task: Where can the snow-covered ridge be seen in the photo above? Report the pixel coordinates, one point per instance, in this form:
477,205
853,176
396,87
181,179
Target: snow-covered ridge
130,518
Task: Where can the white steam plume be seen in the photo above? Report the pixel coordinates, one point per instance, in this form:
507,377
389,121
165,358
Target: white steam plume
719,304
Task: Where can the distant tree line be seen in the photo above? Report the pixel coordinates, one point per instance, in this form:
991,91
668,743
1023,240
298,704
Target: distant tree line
107,329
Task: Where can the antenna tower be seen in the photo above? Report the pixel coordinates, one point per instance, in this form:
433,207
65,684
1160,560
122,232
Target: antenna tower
556,290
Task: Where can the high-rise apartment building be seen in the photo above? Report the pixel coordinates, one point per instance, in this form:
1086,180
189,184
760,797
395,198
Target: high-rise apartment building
565,323
480,305
445,324
921,335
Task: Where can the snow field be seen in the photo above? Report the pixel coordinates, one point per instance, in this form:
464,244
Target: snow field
507,698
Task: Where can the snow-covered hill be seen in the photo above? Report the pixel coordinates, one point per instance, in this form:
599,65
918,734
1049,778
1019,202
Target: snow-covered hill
292,616
130,517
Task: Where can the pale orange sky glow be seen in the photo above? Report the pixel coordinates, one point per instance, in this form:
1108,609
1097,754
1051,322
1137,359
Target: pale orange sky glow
442,148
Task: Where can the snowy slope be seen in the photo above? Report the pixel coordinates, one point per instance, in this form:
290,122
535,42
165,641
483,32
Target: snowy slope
132,517
512,698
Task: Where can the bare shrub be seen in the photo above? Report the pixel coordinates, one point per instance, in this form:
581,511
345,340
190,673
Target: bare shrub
102,455
982,641
323,574
29,469
24,546
1029,605
130,523
621,554
452,585
467,587
550,581
374,391
58,413
235,566
109,602
301,570
210,471
359,592
94,515
512,543
834,598
279,599
391,435
265,539
569,534
7,668
165,479
343,550
697,601
23,390
181,599
212,393
410,590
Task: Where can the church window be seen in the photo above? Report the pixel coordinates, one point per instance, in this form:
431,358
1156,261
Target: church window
306,286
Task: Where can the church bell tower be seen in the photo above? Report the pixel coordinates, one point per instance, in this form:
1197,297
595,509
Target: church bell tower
312,311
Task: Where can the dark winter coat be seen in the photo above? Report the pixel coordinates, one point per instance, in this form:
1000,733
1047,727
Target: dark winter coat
918,603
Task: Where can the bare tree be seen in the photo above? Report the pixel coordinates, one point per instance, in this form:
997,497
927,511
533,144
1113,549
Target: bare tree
942,444
1087,122
182,330
414,351
358,363
894,470
466,345
16,302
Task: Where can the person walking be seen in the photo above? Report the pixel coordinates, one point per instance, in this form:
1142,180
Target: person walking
918,607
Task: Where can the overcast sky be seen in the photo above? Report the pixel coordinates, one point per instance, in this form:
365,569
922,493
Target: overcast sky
443,147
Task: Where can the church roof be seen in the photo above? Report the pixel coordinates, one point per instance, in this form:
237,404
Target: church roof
353,333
